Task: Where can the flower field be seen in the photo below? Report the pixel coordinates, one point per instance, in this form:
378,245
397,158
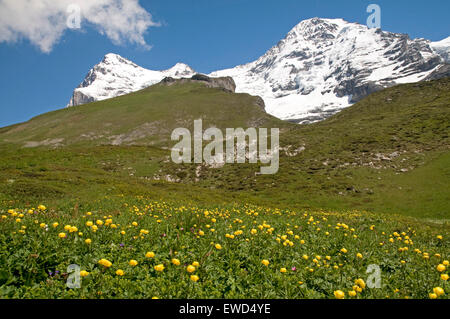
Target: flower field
149,249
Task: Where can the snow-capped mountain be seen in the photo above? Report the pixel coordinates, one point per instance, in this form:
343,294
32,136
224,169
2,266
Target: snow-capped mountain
442,48
320,67
115,76
324,65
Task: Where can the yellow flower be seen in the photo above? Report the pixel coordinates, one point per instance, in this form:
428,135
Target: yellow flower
445,263
218,246
62,235
159,267
89,223
150,254
438,291
444,277
343,250
133,262
84,273
352,293
195,264
305,257
194,278
360,282
134,223
339,294
176,262
99,222
120,272
67,227
283,270
104,262
433,296
265,262
359,255
190,268
88,241
440,268
439,237
201,232
42,207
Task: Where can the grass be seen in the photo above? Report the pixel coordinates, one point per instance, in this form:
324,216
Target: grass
383,162
308,254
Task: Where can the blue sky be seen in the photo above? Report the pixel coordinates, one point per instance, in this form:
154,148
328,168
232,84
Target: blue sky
206,34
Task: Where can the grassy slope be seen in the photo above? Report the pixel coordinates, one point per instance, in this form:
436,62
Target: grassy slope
412,120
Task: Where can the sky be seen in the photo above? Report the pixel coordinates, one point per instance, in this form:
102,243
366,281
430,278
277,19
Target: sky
42,61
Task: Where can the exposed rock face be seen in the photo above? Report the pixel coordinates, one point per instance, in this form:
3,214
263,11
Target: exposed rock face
224,83
441,72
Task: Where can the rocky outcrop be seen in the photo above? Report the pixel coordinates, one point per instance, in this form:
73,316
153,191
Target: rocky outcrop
442,72
225,83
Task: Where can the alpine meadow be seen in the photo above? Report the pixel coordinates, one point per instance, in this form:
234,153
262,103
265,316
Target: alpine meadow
358,208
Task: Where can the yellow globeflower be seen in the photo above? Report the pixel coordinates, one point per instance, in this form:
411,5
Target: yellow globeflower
150,254
339,294
190,268
360,282
359,255
159,267
88,241
352,293
194,278
343,250
196,264
265,262
120,272
218,246
444,277
89,223
133,262
440,268
176,262
433,296
283,270
105,262
62,235
438,291
84,273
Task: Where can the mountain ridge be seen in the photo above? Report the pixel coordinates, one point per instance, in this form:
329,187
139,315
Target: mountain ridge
319,68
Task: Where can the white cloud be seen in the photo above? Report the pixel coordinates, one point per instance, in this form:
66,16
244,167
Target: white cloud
43,22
